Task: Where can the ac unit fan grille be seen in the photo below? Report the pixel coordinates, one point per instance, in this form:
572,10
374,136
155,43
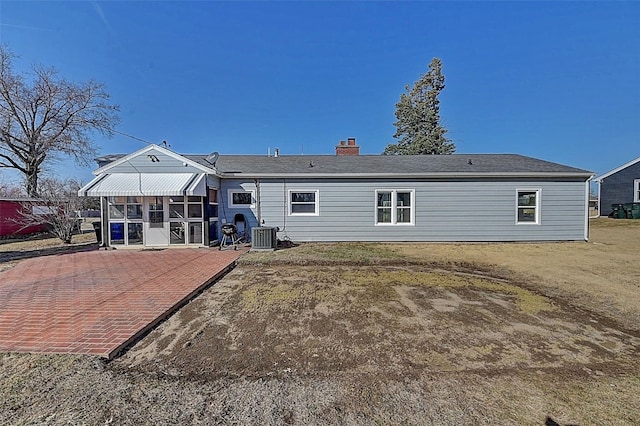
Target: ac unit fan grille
263,238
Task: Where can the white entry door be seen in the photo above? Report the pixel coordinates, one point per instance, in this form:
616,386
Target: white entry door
157,225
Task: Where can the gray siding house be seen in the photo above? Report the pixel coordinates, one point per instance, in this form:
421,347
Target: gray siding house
155,197
619,186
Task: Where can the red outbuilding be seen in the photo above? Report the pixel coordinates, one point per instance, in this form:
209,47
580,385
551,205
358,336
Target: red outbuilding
10,209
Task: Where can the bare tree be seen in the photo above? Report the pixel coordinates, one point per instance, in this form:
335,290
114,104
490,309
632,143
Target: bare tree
47,116
8,189
57,207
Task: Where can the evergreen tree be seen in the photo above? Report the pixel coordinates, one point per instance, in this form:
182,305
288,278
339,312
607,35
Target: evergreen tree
418,117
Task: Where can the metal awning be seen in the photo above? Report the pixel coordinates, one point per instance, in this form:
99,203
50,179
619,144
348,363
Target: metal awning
145,184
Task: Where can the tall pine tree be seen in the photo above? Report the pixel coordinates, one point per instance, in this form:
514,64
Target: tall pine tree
418,117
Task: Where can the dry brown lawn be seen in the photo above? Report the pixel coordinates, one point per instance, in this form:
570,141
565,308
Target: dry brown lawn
374,334
602,275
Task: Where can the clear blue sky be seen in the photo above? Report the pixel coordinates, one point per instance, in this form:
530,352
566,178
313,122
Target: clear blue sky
554,80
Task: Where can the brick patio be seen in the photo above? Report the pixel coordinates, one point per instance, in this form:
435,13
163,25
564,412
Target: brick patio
98,302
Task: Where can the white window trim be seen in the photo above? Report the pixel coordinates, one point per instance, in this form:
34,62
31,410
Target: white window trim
317,202
636,191
394,208
187,220
124,233
125,221
538,192
230,193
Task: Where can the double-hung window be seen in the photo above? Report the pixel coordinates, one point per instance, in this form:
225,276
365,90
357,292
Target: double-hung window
303,203
528,206
395,207
636,191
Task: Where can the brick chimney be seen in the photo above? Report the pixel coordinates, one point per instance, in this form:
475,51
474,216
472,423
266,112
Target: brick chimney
348,148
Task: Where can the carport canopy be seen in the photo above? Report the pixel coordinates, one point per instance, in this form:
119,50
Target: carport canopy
145,184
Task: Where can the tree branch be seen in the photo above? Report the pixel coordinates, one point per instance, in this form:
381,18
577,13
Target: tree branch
48,115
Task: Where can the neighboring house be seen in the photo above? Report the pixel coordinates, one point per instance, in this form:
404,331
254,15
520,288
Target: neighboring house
10,217
156,197
619,186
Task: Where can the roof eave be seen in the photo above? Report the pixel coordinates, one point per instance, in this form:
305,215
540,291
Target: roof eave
195,164
441,175
617,169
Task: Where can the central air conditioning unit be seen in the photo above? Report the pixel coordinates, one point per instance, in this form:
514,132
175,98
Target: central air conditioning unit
263,238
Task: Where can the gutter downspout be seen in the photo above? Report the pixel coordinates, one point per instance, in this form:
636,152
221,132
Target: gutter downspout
599,197
284,206
587,187
104,222
258,210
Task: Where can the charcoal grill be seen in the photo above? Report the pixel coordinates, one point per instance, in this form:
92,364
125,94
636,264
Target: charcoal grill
229,236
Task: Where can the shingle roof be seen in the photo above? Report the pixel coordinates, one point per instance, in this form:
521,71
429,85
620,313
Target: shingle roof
383,165
388,165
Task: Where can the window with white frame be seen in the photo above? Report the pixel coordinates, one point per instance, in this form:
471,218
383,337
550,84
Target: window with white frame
176,207
241,198
395,207
185,220
156,212
528,206
213,214
303,203
125,220
636,191
116,208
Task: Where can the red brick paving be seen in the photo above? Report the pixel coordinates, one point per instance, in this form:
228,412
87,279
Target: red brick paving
98,302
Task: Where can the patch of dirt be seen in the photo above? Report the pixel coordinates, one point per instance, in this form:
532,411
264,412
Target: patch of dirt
394,322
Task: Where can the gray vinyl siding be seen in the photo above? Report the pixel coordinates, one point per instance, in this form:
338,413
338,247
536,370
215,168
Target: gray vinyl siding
226,212
618,188
478,204
143,164
213,181
444,210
